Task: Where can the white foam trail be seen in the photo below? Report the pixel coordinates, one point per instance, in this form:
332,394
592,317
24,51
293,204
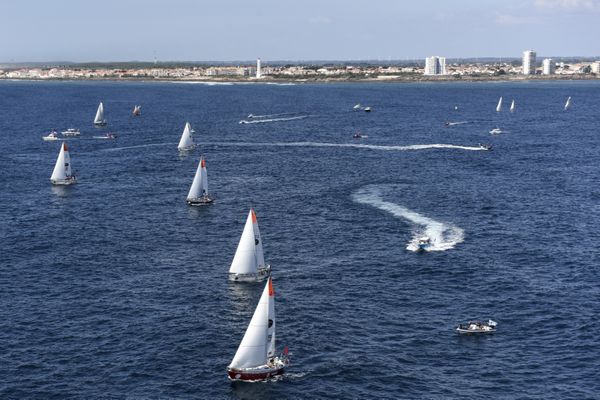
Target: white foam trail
457,123
443,236
353,145
139,146
260,121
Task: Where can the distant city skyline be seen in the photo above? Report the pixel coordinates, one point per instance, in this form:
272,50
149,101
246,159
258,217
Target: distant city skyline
188,30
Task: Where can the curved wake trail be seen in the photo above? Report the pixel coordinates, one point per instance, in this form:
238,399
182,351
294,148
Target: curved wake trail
271,115
352,145
262,121
443,236
139,146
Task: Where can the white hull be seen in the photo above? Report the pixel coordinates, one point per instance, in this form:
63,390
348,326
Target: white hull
200,201
63,182
49,138
256,277
188,148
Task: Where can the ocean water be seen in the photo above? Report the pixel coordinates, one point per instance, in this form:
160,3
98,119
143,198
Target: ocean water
115,288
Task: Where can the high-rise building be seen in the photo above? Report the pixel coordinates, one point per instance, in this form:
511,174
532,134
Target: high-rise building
548,66
435,65
529,62
596,67
258,71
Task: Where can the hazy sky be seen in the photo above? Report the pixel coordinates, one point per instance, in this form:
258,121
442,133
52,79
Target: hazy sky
188,30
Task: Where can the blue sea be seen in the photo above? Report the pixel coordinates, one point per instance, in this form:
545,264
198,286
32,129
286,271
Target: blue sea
115,288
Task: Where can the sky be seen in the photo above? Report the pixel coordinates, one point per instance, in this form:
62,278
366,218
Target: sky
229,30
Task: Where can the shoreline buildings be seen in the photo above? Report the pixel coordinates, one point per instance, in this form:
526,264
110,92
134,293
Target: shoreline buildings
529,62
548,66
435,65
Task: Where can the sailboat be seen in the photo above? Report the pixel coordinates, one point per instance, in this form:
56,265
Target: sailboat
100,120
512,106
255,358
248,264
499,106
198,194
62,174
137,110
186,142
568,103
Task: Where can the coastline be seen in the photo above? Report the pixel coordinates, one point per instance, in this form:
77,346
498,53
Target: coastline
321,80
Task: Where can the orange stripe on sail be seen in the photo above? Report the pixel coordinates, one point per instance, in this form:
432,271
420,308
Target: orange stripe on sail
253,216
65,148
202,163
271,290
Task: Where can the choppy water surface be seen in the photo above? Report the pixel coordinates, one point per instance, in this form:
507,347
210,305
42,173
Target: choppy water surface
116,288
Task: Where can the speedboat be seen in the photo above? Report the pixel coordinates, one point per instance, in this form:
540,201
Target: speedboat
357,135
106,136
244,121
477,327
357,107
485,146
71,132
423,244
250,116
446,124
367,109
51,136
496,131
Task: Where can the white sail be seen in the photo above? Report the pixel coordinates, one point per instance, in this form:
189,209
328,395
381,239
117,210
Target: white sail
253,349
99,120
568,103
200,183
499,106
62,168
512,106
186,141
245,259
271,321
260,257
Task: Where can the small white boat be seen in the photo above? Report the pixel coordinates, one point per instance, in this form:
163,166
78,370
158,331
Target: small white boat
485,146
71,132
250,116
423,244
107,136
255,358
513,106
198,194
62,174
357,107
496,131
186,142
248,264
99,120
568,103
243,121
455,108
472,327
51,136
137,111
499,106
367,109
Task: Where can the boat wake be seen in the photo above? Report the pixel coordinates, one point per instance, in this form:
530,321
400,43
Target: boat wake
443,236
457,123
352,145
139,146
262,121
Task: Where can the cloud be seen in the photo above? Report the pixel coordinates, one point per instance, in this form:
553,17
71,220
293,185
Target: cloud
509,19
320,20
569,4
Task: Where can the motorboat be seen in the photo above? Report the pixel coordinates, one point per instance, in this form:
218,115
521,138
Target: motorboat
106,136
198,194
71,132
485,146
250,116
496,131
357,135
255,359
357,107
423,244
447,124
367,109
243,121
473,327
51,136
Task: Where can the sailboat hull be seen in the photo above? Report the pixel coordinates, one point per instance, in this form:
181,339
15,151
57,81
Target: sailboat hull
63,182
201,201
255,277
188,148
254,375
100,123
